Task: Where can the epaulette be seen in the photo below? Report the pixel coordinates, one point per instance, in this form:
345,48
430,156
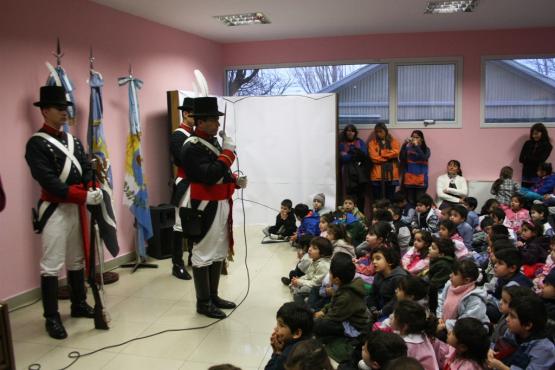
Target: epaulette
192,139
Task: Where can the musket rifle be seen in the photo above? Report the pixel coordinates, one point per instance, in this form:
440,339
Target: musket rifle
101,316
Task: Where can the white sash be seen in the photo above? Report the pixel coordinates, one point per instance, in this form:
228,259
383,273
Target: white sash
70,157
196,139
182,130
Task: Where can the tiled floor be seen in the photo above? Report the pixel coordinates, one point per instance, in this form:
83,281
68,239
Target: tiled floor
150,301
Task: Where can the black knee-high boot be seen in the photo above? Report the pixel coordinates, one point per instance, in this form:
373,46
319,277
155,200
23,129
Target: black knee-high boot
202,288
79,306
53,324
215,272
178,269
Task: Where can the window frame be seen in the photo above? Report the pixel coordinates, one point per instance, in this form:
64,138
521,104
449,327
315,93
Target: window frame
486,58
392,63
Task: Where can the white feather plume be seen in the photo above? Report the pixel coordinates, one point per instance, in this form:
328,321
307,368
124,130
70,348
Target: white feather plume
201,83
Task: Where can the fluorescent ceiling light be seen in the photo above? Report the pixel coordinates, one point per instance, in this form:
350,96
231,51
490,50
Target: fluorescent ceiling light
243,19
450,6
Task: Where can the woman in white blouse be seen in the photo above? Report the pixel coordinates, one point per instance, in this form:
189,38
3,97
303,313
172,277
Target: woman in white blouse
451,187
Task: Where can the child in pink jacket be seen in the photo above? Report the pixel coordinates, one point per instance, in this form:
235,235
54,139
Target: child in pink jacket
516,214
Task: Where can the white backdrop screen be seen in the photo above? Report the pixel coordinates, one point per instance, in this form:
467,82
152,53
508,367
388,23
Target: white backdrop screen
286,145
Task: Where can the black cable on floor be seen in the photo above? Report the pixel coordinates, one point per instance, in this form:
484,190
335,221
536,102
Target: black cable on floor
76,355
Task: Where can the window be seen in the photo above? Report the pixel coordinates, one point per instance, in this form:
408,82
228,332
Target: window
426,92
402,94
518,92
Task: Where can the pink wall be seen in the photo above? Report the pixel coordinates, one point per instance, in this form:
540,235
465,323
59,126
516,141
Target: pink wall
482,152
162,57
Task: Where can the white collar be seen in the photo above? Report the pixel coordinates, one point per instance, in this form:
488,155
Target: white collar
413,338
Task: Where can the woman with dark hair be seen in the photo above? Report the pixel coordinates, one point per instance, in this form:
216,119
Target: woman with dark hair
354,165
414,164
451,188
535,150
384,153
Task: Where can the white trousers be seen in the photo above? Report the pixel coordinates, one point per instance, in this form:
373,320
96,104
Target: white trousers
215,244
62,241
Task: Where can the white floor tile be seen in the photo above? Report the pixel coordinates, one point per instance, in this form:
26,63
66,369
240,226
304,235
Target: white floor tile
152,300
124,362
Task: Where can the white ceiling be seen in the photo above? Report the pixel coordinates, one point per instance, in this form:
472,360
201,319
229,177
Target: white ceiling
317,18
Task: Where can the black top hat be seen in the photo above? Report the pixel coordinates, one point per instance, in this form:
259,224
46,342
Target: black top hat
51,96
188,105
206,107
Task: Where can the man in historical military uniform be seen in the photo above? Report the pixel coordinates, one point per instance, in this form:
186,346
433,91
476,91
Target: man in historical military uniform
177,139
211,186
59,164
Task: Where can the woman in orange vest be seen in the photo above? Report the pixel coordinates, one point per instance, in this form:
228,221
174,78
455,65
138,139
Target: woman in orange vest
384,153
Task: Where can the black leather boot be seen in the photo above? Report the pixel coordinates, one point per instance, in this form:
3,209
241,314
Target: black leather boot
53,324
202,288
178,269
79,306
215,271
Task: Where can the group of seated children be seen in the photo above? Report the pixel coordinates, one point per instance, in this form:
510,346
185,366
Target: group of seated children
450,288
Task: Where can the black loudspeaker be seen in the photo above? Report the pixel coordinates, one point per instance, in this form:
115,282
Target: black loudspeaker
7,359
163,219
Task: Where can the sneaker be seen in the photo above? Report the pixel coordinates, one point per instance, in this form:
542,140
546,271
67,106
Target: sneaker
266,231
286,281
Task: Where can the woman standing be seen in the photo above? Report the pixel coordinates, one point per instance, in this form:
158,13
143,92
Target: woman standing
451,188
414,162
536,150
354,165
384,154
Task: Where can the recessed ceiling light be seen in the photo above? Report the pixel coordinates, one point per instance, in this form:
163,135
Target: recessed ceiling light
243,19
450,6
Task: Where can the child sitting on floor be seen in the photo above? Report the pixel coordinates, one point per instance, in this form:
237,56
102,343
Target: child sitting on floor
533,247
448,230
525,345
547,267
516,214
468,346
346,314
309,227
461,297
387,263
285,225
337,235
325,221
472,217
402,231
293,325
442,259
425,218
320,251
507,294
416,329
458,216
350,206
540,213
416,259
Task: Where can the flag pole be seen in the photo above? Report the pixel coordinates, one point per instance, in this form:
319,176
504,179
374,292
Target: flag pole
135,190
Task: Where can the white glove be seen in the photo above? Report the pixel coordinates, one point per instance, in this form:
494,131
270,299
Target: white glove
242,182
227,142
94,197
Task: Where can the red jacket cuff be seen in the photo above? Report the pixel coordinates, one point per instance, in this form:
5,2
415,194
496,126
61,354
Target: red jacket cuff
76,194
227,157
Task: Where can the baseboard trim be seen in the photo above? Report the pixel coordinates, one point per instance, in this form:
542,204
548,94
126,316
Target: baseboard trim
34,294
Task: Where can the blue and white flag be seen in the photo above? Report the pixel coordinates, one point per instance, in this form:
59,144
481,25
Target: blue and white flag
58,77
98,148
134,187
